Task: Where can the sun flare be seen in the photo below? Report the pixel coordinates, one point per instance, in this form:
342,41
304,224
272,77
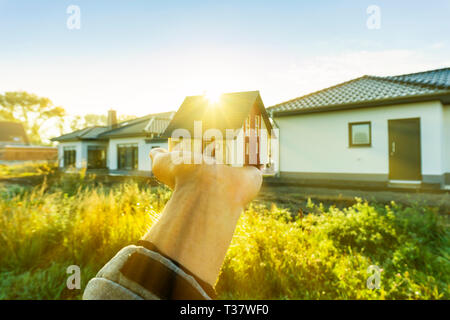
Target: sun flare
213,96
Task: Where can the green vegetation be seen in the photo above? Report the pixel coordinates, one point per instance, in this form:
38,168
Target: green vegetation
27,169
73,220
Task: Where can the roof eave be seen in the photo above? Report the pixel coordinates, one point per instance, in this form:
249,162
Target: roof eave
65,140
127,135
442,96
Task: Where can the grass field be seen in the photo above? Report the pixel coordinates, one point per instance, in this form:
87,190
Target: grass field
275,253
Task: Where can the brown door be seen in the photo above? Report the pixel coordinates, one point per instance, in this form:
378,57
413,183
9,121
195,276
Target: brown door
404,149
251,146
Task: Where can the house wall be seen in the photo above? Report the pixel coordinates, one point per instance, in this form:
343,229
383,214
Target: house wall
77,145
15,153
144,161
81,148
274,147
317,143
446,141
84,150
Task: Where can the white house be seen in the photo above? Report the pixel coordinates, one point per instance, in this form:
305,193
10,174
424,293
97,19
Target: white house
123,148
372,131
386,131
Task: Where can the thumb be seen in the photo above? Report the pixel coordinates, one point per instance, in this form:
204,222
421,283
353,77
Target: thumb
162,166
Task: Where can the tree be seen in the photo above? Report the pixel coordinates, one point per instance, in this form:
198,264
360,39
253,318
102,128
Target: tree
89,120
95,120
33,111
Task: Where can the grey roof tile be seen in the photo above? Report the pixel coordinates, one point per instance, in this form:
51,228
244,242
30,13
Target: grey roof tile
135,127
88,133
371,89
150,124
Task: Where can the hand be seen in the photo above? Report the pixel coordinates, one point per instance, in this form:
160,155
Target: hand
198,222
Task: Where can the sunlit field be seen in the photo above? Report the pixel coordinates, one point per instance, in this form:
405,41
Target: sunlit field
275,254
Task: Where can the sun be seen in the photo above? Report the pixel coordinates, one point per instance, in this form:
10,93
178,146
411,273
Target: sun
213,96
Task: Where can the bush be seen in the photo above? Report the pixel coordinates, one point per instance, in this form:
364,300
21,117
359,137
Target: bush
327,255
273,255
28,169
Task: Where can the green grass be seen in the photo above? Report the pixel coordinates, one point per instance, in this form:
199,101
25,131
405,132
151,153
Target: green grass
72,220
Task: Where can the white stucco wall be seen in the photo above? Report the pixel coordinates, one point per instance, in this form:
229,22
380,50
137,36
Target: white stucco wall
318,142
81,148
144,162
77,145
446,140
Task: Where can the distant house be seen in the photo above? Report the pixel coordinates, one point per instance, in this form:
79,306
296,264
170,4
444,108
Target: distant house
12,133
236,128
15,146
386,131
122,148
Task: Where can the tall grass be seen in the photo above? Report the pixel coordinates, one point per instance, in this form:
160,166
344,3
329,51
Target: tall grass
273,255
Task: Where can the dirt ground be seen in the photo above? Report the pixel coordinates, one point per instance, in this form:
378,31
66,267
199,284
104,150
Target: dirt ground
295,197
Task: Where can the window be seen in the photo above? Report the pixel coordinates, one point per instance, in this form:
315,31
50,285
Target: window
360,134
70,156
127,156
96,157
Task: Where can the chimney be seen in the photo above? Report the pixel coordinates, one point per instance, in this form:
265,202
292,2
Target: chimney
112,118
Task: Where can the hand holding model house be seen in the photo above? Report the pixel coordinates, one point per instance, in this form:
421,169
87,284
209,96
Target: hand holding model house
181,255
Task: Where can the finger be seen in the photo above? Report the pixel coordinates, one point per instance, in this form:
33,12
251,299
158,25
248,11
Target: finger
162,166
255,177
156,151
251,179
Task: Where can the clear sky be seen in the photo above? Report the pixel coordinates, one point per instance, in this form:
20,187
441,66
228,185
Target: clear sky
140,57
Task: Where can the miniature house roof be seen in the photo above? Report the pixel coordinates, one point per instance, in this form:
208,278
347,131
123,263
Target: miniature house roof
229,112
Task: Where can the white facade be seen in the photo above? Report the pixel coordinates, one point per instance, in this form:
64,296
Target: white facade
234,148
81,148
144,161
75,145
319,142
446,141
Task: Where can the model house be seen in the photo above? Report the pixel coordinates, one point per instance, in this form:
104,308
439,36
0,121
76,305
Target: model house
386,131
122,148
235,128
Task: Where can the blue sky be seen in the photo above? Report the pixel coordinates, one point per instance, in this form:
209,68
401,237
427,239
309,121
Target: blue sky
141,57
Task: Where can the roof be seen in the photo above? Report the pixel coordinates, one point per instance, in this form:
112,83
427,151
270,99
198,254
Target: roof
372,91
150,124
437,78
89,133
229,112
12,133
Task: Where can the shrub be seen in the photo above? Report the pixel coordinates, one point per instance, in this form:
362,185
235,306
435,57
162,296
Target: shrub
273,255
